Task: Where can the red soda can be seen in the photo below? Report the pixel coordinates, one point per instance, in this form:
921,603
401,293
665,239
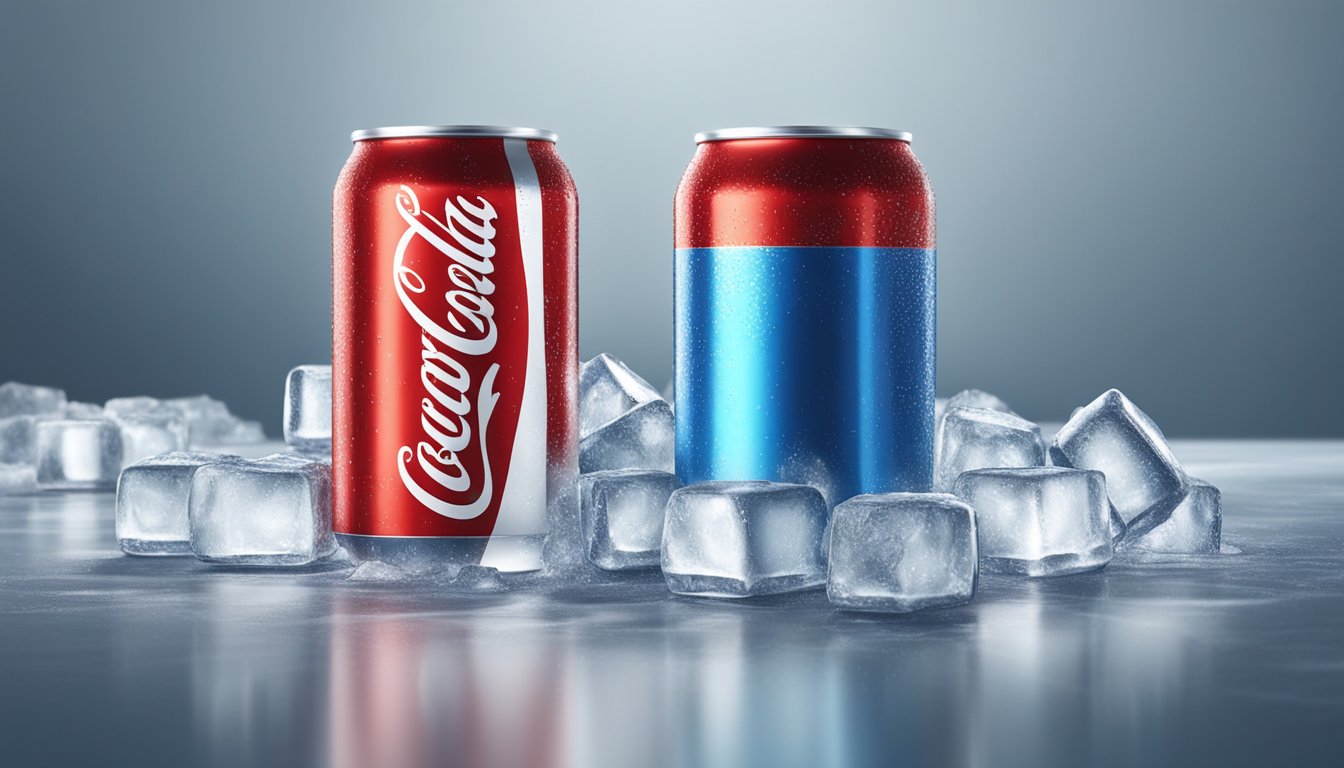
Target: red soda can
455,345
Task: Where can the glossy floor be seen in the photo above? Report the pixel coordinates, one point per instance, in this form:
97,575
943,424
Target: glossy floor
1234,659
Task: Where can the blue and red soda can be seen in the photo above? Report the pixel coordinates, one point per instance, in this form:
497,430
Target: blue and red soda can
805,305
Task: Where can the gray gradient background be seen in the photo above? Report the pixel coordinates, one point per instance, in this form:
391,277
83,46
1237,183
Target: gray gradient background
1143,195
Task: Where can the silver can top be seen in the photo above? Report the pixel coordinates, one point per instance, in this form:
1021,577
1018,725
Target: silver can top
456,131
802,131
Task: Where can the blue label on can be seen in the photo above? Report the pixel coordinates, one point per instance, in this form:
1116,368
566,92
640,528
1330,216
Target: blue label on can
806,364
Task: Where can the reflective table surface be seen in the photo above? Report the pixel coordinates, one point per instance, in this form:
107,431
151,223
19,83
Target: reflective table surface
1216,660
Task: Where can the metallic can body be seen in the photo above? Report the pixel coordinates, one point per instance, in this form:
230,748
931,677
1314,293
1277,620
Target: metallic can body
454,356
805,314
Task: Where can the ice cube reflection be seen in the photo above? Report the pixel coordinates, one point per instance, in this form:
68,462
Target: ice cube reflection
252,691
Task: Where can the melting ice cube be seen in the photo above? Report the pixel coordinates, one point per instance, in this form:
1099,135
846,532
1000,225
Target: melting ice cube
1194,528
271,511
1144,481
641,438
976,438
1040,521
152,502
902,552
608,389
308,408
81,454
623,516
28,400
737,539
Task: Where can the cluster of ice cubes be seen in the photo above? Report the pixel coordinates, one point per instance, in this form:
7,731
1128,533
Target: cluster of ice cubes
208,421
48,442
728,539
1144,483
272,511
173,497
1114,483
275,510
999,502
894,552
626,461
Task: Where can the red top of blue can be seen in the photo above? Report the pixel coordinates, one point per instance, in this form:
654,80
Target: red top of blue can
804,186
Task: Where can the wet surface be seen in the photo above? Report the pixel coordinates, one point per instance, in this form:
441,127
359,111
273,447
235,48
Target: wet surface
1231,659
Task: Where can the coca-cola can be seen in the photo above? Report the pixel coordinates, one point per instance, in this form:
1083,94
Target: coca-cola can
455,345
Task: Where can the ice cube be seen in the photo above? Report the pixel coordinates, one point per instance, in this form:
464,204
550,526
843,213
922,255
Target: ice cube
18,440
1040,521
275,510
17,478
211,431
78,410
18,434
196,407
623,516
150,432
479,578
308,408
77,453
28,400
152,497
208,432
377,570
208,420
976,438
975,398
1143,479
236,431
738,539
902,552
1194,528
641,438
608,389
121,405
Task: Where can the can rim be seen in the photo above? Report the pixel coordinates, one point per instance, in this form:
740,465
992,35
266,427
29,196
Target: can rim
802,132
455,131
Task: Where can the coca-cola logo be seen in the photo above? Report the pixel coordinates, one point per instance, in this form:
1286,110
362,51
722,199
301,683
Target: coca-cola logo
454,324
